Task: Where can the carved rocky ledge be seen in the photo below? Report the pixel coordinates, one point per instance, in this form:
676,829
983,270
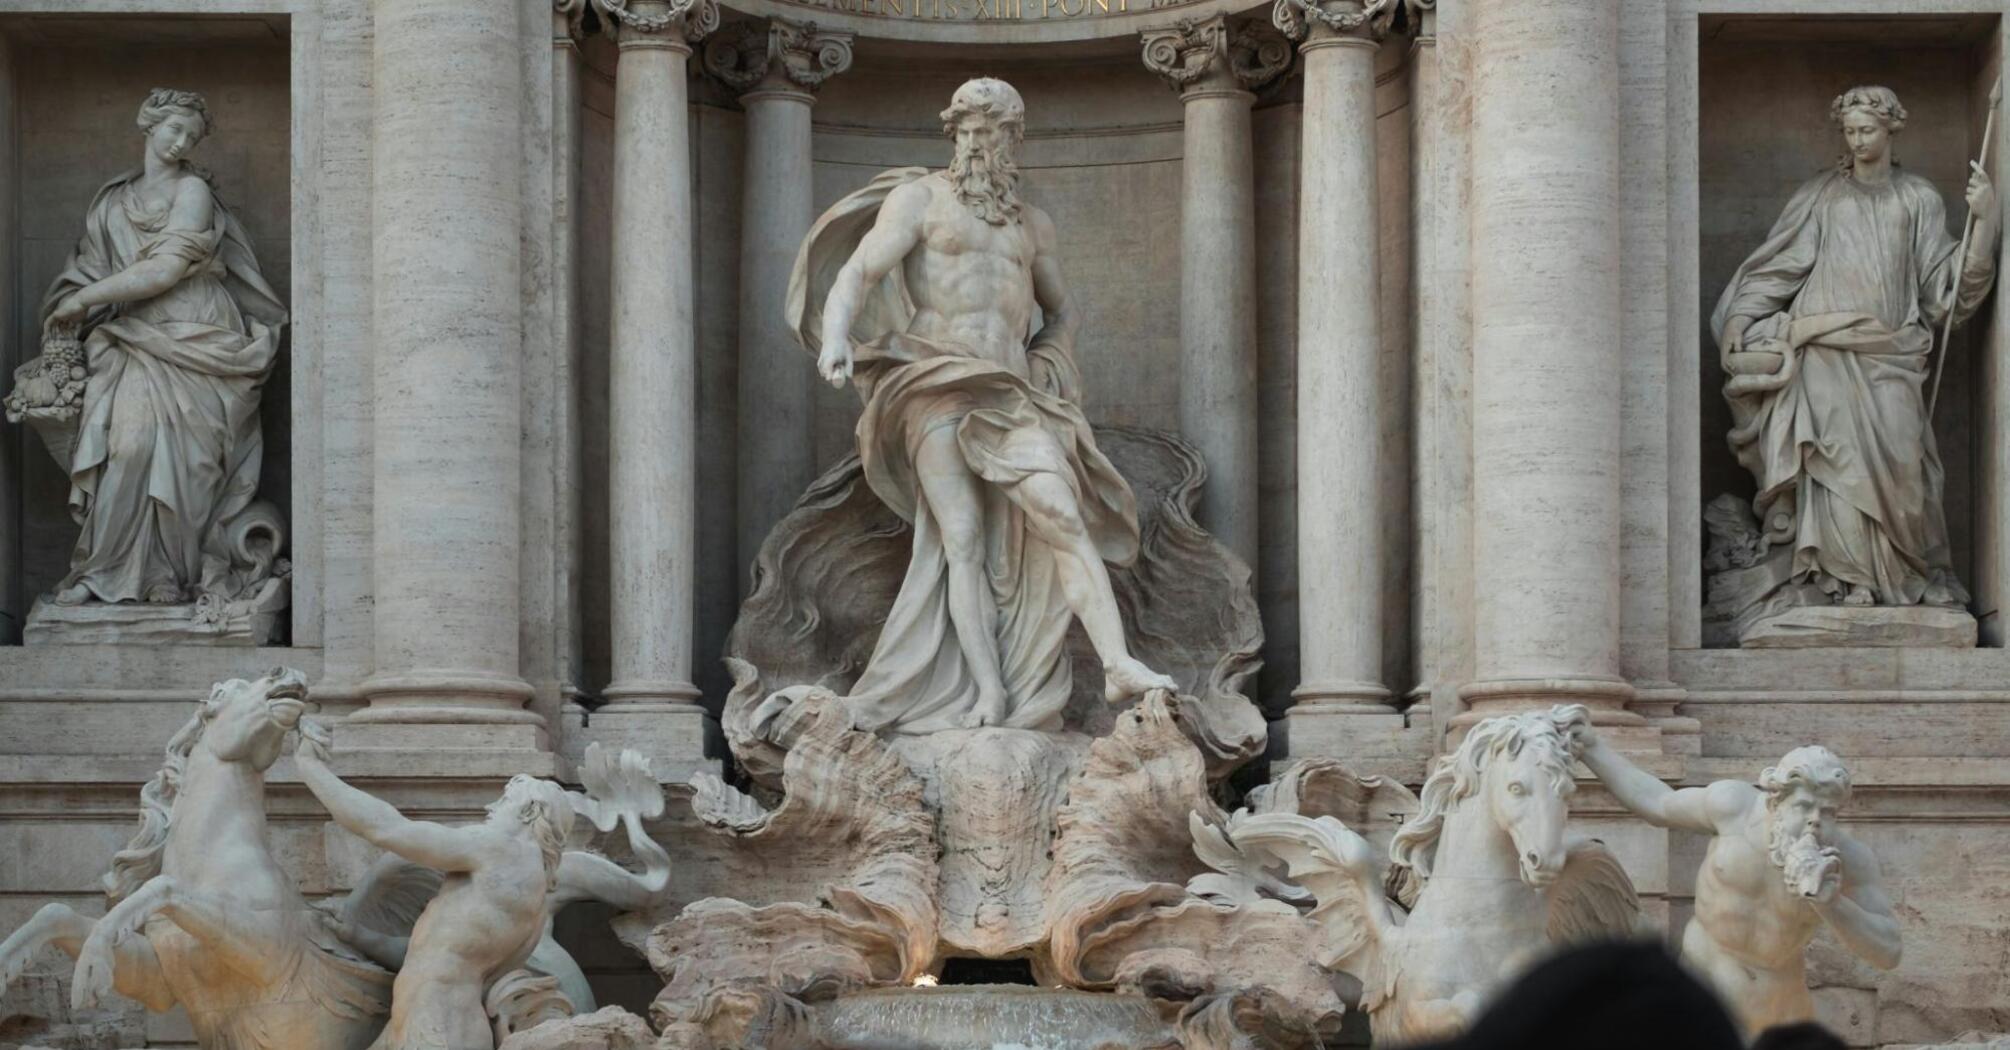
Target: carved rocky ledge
828,573
1139,897
855,837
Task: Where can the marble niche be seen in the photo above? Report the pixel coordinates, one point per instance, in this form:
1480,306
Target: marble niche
149,368
1847,265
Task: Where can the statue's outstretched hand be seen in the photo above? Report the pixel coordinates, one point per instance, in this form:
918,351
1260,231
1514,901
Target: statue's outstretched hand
315,742
834,363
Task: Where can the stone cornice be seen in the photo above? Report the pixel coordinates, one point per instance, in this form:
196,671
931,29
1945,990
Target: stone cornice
782,55
1215,54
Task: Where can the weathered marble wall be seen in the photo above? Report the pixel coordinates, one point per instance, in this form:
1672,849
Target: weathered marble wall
75,103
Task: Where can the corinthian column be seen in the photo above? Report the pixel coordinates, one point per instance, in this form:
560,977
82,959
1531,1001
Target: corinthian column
1214,64
445,224
652,380
777,69
1340,548
1546,357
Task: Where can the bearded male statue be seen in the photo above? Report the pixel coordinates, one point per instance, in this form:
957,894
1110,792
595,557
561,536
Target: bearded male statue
1777,869
922,288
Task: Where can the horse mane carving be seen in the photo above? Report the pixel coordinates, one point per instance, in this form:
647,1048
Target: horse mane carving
141,859
1457,776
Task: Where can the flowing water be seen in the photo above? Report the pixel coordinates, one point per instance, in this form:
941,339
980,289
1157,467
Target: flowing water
990,1017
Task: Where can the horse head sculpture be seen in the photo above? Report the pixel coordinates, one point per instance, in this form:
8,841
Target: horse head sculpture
1520,768
247,721
1484,878
201,914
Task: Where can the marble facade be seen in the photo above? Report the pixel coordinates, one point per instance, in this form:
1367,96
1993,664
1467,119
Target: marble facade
1427,288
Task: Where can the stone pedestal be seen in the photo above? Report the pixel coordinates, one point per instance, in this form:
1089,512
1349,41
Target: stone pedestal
251,621
1371,739
1886,626
995,794
671,735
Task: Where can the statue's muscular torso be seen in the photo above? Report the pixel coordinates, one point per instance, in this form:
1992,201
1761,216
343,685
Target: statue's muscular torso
972,281
472,932
1750,929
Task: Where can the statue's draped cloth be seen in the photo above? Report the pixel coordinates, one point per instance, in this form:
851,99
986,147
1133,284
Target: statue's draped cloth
1848,287
168,444
1014,419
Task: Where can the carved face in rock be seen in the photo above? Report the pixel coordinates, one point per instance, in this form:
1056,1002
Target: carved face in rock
173,122
538,809
1527,788
986,121
1868,115
1866,136
1804,792
248,721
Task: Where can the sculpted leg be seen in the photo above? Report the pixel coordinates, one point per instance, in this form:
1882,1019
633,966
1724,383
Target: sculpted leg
54,924
1052,512
242,939
955,500
135,971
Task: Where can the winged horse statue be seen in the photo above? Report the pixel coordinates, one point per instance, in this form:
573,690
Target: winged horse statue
201,914
1481,880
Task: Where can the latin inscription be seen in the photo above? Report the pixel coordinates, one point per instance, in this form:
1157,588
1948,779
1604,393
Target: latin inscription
988,10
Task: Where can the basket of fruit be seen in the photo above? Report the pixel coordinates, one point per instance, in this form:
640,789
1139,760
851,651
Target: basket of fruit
49,391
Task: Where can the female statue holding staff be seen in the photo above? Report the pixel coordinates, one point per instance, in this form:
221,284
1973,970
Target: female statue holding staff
1826,333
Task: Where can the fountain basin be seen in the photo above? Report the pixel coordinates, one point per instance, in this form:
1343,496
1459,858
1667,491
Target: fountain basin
991,1017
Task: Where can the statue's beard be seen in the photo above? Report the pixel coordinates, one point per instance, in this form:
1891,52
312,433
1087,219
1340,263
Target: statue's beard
987,182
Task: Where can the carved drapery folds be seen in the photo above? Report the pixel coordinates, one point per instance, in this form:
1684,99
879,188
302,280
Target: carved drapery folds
781,54
1196,54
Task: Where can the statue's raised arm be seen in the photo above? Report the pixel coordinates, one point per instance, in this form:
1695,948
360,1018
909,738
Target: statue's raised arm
1777,869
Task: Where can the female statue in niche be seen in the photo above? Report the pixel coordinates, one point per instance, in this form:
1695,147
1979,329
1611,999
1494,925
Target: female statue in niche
1827,333
179,331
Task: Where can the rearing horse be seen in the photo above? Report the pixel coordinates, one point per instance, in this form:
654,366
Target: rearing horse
222,929
1499,881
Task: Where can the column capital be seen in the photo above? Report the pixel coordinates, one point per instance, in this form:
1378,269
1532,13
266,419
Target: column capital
1200,56
568,22
784,55
1312,22
674,24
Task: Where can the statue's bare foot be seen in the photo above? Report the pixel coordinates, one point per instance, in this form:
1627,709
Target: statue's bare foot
161,594
1859,597
990,711
75,594
1125,678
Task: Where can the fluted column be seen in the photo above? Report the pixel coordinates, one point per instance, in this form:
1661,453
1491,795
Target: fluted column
777,68
652,385
653,361
1214,64
1546,356
1340,402
448,372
